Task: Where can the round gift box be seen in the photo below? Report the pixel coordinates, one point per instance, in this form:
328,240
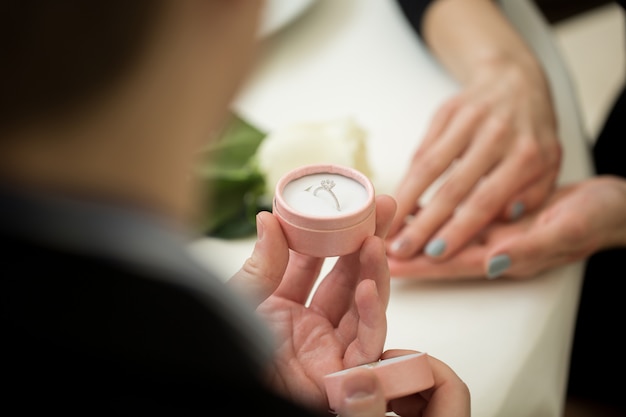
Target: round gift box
338,233
399,377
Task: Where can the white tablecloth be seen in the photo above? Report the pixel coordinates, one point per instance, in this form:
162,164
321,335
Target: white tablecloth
510,341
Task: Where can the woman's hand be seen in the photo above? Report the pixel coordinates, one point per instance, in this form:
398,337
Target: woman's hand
578,220
497,140
491,151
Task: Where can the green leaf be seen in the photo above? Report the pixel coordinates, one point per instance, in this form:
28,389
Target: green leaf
234,187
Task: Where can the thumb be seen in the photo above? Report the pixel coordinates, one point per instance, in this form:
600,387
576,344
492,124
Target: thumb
263,271
361,395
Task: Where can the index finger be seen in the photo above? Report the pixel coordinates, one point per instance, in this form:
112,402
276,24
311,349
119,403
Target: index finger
468,263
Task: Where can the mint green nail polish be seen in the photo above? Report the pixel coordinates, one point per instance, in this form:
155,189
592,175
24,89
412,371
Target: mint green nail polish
497,265
517,210
435,247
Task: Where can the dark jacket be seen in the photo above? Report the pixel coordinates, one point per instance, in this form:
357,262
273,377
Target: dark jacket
104,312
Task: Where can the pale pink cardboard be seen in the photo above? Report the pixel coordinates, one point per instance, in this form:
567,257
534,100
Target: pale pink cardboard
325,236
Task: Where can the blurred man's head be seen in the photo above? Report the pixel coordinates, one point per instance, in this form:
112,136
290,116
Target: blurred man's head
117,95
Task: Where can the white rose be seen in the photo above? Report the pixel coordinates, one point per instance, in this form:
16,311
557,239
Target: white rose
340,142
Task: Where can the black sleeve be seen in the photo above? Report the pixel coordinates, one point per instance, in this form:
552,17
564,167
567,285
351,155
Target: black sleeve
414,11
85,336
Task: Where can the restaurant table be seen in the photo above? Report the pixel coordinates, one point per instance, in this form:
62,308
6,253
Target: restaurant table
508,340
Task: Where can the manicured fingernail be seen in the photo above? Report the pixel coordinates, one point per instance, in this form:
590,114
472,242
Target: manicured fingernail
435,247
497,265
517,210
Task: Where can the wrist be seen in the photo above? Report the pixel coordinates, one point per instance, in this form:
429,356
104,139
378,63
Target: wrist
519,66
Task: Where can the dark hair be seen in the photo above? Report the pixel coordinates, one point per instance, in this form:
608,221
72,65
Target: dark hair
56,54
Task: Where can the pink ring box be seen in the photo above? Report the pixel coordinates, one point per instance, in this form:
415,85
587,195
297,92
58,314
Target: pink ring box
325,209
399,377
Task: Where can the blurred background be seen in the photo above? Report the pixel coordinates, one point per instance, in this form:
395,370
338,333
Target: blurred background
591,35
592,38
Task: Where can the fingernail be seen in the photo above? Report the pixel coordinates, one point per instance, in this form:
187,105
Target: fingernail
497,265
359,388
397,245
259,227
517,210
435,247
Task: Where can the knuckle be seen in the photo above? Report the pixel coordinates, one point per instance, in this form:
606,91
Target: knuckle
474,110
576,231
451,193
530,153
483,207
496,129
538,156
433,164
253,266
451,105
500,125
